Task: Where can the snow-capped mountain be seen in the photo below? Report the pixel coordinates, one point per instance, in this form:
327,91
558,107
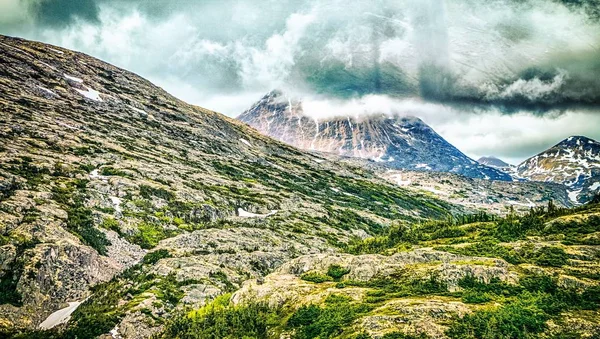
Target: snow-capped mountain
396,141
500,165
574,162
492,161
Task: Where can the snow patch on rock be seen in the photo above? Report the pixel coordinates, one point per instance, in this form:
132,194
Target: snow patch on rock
60,317
72,78
244,214
90,94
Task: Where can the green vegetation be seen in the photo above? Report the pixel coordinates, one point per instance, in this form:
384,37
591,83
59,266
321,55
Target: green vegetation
331,319
110,171
149,234
220,319
525,309
551,256
149,191
337,272
71,195
315,277
153,257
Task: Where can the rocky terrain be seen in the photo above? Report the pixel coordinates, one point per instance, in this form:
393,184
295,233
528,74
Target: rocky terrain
534,275
398,142
126,213
573,162
98,167
492,196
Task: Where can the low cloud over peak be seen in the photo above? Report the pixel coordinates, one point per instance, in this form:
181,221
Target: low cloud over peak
460,59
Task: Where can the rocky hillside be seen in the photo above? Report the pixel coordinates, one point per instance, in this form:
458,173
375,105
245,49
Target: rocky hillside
492,196
103,173
529,276
574,162
399,142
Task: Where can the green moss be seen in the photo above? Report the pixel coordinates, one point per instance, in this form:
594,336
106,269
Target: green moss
149,234
315,277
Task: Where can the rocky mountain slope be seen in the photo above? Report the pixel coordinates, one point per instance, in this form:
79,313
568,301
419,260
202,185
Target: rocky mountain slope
399,142
103,173
492,196
574,162
126,213
479,278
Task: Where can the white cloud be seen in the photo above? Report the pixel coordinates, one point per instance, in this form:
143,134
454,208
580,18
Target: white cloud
514,137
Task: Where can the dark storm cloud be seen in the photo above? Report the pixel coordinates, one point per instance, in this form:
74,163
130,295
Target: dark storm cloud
61,13
485,63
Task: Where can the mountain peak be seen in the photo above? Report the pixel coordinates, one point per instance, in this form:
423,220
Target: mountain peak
394,140
493,161
577,140
574,162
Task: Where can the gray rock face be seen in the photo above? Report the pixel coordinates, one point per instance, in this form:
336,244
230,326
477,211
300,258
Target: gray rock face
451,267
395,141
491,195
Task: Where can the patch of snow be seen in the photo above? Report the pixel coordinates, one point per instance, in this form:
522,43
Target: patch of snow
142,112
318,161
56,51
391,159
244,214
45,64
595,186
90,94
94,174
425,166
116,203
60,317
47,90
334,189
114,333
573,195
245,142
66,125
72,78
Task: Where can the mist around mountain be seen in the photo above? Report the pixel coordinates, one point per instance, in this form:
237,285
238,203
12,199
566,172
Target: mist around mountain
127,213
399,142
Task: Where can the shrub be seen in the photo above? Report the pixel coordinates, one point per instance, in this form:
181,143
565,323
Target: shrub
551,256
153,257
473,297
148,235
325,322
220,319
337,272
111,224
520,319
315,277
148,192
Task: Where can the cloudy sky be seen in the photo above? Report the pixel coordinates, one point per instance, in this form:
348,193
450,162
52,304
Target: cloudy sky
496,77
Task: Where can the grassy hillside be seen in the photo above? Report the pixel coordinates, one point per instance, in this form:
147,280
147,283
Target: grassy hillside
99,168
524,276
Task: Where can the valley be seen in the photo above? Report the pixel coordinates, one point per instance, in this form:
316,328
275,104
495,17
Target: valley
128,213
